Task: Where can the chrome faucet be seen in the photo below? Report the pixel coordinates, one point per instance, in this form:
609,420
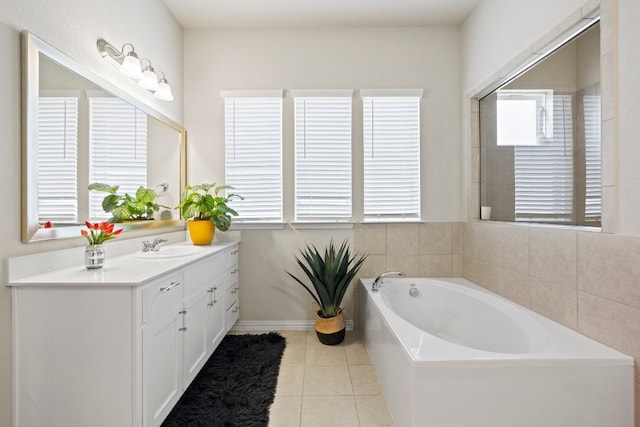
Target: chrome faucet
378,281
154,245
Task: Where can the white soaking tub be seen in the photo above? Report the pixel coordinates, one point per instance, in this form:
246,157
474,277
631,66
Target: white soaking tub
457,355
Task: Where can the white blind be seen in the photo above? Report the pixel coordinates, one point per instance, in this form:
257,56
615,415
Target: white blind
593,159
58,159
544,172
118,149
391,131
253,156
323,158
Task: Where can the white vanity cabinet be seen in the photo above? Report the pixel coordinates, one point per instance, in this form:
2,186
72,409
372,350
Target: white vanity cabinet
112,351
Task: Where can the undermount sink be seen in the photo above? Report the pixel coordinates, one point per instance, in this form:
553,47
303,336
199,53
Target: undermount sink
170,252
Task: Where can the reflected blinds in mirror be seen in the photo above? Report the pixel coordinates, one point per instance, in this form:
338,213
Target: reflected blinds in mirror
593,158
118,149
58,159
544,171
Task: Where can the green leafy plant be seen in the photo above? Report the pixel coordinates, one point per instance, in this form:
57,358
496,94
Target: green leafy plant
198,203
330,275
140,206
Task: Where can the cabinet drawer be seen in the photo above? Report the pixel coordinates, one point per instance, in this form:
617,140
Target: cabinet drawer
161,295
233,313
231,294
232,258
203,273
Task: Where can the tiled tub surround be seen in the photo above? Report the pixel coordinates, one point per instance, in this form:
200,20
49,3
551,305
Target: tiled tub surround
457,345
586,280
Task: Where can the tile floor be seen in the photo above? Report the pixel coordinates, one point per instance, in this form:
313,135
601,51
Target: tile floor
322,385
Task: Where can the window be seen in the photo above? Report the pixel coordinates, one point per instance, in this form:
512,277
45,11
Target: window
118,149
322,155
253,153
391,130
58,159
593,159
524,117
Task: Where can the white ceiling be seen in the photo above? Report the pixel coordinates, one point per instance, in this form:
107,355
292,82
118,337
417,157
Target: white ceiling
272,14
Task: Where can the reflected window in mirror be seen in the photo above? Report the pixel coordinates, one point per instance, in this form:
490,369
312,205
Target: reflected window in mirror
540,145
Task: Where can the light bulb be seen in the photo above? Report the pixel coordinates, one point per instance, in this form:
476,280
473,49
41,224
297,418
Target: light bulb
131,66
149,79
164,91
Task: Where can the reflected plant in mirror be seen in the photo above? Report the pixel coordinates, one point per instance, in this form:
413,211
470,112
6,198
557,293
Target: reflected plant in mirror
540,144
129,207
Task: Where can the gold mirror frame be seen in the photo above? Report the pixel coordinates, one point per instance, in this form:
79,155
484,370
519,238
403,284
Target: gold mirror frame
32,47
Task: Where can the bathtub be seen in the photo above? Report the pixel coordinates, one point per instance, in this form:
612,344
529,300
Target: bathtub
457,355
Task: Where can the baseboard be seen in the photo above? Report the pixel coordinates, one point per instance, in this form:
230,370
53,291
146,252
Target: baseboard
278,325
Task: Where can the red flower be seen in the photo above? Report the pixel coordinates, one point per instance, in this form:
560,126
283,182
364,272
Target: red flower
99,232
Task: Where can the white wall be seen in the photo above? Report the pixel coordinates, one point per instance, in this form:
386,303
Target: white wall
73,27
425,58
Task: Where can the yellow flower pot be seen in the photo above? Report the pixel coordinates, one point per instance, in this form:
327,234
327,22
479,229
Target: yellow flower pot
201,232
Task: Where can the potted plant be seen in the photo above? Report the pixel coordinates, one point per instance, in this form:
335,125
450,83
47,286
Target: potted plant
330,276
140,206
206,211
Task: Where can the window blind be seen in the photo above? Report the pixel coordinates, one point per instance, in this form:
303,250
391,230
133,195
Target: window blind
593,159
322,158
544,172
253,156
118,149
58,159
391,131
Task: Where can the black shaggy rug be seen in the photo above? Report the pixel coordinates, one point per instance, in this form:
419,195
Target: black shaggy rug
235,387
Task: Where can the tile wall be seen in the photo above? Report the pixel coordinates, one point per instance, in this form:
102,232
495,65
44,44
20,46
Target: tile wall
588,281
427,249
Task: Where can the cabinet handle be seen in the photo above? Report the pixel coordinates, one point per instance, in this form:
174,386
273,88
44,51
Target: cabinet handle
234,271
213,300
171,286
184,321
233,252
234,290
235,309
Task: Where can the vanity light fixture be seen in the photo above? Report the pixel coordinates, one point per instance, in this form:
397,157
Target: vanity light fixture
135,68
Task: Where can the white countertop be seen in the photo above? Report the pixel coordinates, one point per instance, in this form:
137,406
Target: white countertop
123,270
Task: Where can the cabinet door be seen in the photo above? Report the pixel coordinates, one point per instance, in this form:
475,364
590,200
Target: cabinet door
215,314
161,366
195,335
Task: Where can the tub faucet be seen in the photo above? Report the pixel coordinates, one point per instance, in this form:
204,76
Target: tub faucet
154,245
378,281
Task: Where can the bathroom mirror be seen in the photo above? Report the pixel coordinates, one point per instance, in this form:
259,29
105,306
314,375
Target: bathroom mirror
78,128
540,142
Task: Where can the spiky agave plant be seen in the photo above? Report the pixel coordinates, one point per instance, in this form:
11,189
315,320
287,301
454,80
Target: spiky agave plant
330,275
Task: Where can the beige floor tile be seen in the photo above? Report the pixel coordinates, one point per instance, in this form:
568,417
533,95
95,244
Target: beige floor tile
294,354
357,354
327,380
290,380
325,355
373,411
294,337
323,411
364,380
285,411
